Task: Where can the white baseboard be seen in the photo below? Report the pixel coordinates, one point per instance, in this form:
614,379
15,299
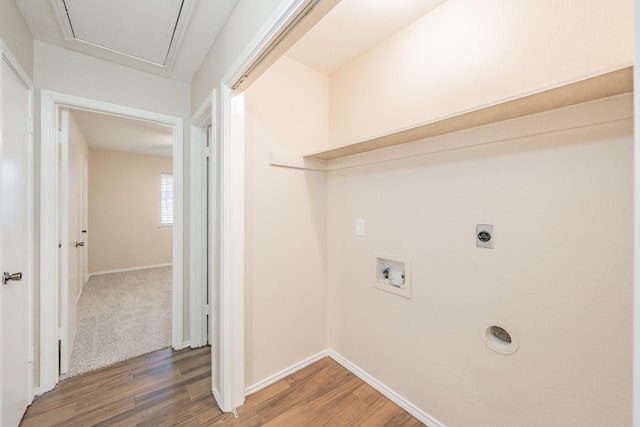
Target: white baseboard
122,270
80,293
185,344
389,393
364,376
284,373
216,396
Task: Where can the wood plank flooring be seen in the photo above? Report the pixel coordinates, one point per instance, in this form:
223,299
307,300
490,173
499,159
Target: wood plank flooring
167,388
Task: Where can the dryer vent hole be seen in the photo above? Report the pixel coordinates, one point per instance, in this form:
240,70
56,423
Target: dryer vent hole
499,334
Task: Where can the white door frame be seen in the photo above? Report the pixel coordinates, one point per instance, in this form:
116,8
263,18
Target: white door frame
636,224
63,217
50,103
198,237
7,57
230,299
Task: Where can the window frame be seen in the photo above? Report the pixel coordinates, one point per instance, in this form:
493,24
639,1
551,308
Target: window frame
166,199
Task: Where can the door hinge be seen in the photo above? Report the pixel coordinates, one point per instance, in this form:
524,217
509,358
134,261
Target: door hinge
59,137
207,152
30,125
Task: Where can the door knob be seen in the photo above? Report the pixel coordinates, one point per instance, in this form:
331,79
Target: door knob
8,276
79,244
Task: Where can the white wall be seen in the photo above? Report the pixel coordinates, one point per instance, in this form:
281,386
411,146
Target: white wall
567,298
124,211
466,54
285,262
559,276
246,20
16,35
248,17
61,70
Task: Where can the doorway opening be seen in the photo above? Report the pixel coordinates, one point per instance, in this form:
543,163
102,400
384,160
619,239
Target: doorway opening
53,257
116,210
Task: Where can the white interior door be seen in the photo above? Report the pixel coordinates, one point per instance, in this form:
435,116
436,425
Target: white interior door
16,208
211,257
69,231
84,206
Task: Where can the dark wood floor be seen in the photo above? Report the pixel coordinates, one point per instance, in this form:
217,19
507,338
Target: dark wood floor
169,388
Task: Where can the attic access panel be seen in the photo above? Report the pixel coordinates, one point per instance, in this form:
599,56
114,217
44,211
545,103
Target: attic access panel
143,29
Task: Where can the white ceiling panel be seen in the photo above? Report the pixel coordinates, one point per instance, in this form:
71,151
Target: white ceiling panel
107,132
140,28
354,26
134,33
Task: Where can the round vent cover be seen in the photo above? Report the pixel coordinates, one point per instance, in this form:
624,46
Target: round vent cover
499,338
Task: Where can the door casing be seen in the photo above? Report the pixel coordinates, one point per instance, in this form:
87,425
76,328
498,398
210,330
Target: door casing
50,105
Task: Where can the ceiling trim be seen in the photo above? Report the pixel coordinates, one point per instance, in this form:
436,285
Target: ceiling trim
60,10
186,12
182,24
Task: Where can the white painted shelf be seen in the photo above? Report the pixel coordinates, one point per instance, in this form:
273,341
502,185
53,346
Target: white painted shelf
583,90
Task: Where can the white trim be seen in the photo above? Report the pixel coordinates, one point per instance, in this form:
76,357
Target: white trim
280,23
13,63
204,114
182,25
63,20
216,396
178,233
181,28
636,228
1,237
63,216
231,297
48,244
123,270
296,161
198,280
49,104
421,415
80,294
285,372
357,371
31,231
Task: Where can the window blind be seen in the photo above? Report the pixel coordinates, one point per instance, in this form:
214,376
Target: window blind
166,199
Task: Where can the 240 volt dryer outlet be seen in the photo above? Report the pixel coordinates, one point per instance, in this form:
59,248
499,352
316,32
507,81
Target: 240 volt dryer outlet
484,236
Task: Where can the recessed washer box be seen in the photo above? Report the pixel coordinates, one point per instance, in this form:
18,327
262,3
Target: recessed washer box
393,275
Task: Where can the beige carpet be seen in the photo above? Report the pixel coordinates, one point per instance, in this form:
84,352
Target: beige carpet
120,316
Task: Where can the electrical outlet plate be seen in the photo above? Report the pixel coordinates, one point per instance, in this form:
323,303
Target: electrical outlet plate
484,236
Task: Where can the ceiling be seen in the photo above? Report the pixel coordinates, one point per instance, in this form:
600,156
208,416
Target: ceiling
354,26
114,133
165,37
172,37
